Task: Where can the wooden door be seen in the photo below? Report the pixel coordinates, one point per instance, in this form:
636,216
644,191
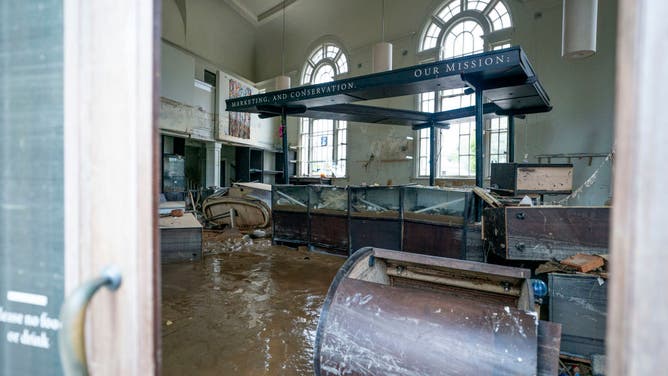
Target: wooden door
78,191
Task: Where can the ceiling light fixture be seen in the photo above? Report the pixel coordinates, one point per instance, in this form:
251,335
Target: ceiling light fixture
578,28
381,57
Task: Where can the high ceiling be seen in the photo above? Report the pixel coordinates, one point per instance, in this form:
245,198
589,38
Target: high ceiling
259,11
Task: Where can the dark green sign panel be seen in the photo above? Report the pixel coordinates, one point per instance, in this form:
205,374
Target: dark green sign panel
31,193
440,75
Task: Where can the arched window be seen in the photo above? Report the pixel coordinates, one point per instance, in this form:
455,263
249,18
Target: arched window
322,142
459,28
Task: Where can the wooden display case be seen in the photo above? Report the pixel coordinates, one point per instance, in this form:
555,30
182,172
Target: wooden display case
375,217
329,218
290,214
435,221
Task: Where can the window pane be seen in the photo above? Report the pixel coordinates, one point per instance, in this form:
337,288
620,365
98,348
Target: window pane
316,56
500,17
431,36
342,64
331,51
477,4
449,11
323,74
465,38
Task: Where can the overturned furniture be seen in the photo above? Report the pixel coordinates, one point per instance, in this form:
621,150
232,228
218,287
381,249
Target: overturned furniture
238,212
390,312
546,232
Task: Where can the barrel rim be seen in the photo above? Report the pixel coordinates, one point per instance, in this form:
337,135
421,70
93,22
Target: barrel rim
340,275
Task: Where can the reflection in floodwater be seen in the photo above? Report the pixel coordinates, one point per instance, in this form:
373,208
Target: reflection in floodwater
251,310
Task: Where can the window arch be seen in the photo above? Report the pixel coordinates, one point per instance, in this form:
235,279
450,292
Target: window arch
324,63
323,142
490,15
459,28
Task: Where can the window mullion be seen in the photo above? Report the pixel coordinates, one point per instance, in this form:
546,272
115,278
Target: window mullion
489,7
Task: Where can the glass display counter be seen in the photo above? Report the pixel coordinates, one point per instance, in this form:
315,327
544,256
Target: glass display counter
375,217
329,218
290,214
435,221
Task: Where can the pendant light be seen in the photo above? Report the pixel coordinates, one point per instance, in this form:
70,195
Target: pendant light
381,56
283,81
578,28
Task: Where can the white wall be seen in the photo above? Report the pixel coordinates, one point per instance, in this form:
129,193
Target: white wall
213,31
581,91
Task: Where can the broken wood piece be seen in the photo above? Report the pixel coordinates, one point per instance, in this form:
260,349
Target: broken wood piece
487,197
583,262
290,198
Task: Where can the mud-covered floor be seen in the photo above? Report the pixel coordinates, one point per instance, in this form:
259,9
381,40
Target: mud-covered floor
243,310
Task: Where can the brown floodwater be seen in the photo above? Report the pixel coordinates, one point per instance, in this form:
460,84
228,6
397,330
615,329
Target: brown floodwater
243,310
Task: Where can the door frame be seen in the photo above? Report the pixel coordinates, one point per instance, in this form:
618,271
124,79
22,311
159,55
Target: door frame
111,67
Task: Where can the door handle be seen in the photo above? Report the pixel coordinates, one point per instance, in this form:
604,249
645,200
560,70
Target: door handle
71,341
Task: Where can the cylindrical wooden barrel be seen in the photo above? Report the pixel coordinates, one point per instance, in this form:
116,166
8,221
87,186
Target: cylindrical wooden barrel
370,326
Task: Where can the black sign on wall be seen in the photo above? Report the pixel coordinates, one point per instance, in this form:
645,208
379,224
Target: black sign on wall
31,193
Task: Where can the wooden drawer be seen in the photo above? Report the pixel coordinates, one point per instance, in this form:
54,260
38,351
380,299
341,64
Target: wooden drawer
532,178
544,233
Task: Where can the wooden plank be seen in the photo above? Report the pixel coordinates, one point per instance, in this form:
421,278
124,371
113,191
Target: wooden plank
487,197
544,233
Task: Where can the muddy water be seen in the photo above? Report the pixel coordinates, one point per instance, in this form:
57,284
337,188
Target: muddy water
243,310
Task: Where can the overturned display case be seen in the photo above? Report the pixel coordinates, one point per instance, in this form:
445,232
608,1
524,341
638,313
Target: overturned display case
290,213
375,217
329,218
436,221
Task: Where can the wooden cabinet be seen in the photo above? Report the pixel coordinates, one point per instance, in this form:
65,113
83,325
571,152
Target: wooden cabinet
435,221
375,217
544,233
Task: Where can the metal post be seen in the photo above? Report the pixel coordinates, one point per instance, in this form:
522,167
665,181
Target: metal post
511,138
479,149
432,155
286,159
